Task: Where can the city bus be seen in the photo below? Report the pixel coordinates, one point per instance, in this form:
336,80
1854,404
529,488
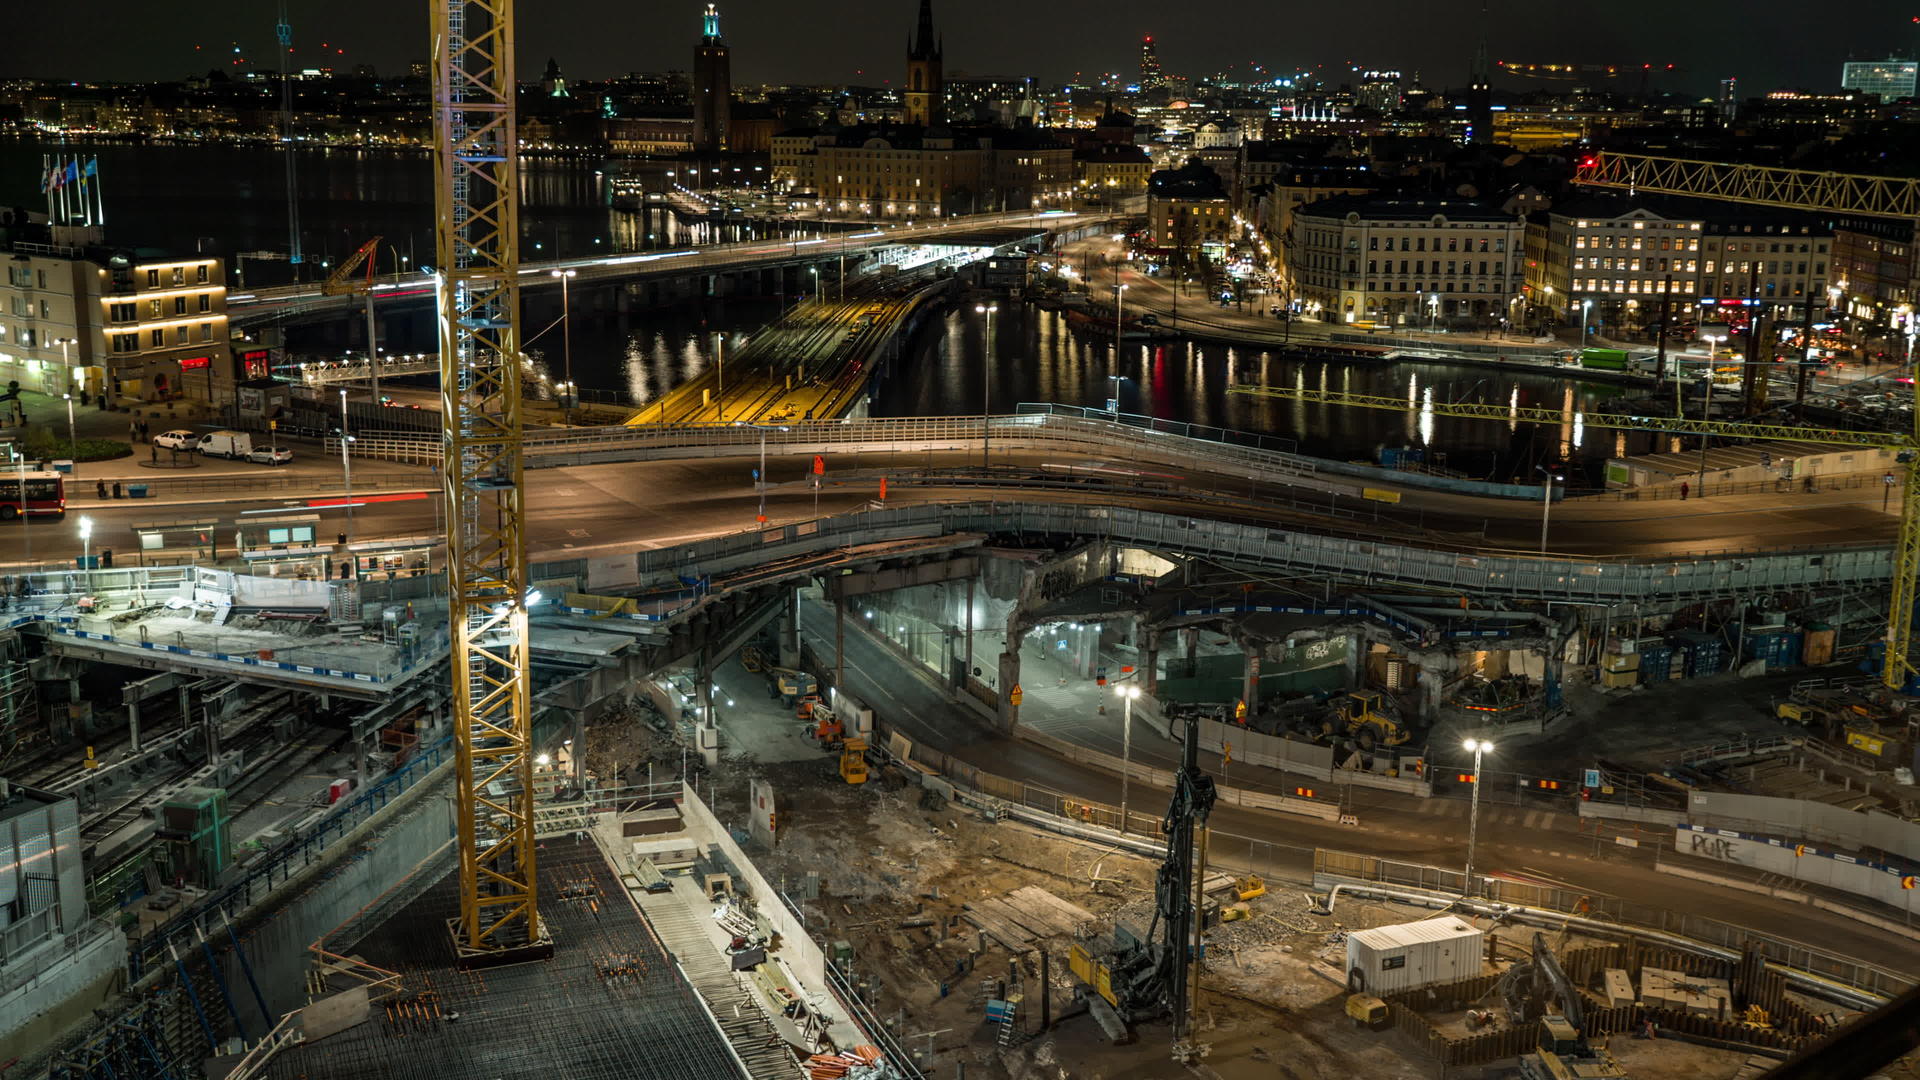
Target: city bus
46,494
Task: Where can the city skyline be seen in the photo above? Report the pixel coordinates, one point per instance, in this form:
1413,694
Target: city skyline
776,43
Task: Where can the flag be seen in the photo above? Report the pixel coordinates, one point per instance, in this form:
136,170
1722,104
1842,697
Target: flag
56,176
73,171
93,166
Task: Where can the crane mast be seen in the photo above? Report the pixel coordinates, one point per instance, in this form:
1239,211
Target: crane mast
476,199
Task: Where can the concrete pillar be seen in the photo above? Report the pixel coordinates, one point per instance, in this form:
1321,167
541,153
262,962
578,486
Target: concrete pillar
133,726
186,706
840,644
1009,714
1190,638
1250,684
1550,670
790,630
360,760
1430,687
1356,646
1149,661
969,633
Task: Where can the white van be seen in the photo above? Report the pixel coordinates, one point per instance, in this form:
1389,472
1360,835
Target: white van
227,444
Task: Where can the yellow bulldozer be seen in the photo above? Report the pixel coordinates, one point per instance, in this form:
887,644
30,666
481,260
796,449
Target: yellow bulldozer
1359,716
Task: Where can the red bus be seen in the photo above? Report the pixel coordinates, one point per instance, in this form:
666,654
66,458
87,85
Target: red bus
46,494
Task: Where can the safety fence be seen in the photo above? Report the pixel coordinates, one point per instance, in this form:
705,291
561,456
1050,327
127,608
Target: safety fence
1856,831
1732,940
1697,488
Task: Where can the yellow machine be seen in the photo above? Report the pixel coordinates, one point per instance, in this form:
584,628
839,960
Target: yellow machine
1368,1012
853,761
1360,716
753,660
1250,886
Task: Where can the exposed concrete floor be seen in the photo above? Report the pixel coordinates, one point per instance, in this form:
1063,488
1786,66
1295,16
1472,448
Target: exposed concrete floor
756,723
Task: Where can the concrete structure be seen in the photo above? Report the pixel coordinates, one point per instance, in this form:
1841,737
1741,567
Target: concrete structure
1392,959
1406,261
712,87
91,319
1892,79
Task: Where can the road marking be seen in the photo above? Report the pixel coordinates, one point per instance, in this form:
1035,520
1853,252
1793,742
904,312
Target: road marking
577,534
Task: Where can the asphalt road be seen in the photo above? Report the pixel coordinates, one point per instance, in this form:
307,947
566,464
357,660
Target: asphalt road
638,505
1523,842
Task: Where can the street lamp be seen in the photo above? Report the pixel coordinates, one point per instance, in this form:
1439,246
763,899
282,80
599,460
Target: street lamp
1585,306
1119,302
73,441
1113,388
346,463
1127,695
64,364
86,549
986,389
566,335
1546,501
1479,747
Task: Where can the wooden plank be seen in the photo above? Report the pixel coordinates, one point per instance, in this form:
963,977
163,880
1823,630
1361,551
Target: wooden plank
1073,914
1007,914
1043,917
997,928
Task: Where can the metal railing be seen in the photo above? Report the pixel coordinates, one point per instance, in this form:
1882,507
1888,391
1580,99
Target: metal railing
150,950
1454,568
1697,489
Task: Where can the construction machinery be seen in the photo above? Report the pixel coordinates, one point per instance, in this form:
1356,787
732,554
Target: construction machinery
477,205
1361,717
342,282
790,685
1898,666
1538,989
1368,1011
853,761
1134,977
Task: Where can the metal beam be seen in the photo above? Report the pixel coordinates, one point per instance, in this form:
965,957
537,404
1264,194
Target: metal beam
1728,429
862,582
476,167
1756,185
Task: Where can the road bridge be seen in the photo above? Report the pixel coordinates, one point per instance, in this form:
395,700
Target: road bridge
261,306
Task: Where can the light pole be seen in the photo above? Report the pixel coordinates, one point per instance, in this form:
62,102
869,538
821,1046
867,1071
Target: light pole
986,389
1479,747
1127,696
346,462
566,337
1585,306
815,271
86,551
19,450
1546,502
1119,302
73,441
65,365
1113,388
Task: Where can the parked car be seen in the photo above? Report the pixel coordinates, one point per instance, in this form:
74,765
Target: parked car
227,444
270,455
177,439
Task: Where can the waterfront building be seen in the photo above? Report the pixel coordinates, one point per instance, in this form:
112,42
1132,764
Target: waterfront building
1411,261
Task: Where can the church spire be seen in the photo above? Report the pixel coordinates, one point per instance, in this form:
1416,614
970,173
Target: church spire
925,45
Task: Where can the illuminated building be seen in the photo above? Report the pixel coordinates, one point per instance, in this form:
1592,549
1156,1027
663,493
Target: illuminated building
925,95
1891,79
142,328
1151,77
1411,261
712,86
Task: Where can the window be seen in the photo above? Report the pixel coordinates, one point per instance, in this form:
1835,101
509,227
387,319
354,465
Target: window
179,335
206,303
179,275
42,276
153,309
179,305
1392,963
153,279
126,343
200,274
206,332
46,310
122,312
158,339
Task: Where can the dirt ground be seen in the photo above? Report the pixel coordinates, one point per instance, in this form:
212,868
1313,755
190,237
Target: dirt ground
895,867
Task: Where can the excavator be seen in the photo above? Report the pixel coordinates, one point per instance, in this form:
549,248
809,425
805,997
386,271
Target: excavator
1532,991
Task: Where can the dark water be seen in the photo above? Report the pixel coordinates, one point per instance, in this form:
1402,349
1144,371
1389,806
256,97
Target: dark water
232,199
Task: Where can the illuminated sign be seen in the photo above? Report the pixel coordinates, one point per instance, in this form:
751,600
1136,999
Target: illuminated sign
195,363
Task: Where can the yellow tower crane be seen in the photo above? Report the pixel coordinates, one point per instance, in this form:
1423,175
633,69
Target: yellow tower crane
1899,663
476,199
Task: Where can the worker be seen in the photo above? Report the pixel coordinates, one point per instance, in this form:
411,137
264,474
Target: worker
1683,491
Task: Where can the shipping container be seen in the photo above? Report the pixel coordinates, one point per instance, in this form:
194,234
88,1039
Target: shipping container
1655,662
1392,959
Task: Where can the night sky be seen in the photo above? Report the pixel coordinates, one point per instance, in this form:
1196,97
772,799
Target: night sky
1766,43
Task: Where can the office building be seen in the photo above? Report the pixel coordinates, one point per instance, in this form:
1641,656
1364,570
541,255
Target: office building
95,320
1892,79
1406,261
712,86
1189,217
1151,77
